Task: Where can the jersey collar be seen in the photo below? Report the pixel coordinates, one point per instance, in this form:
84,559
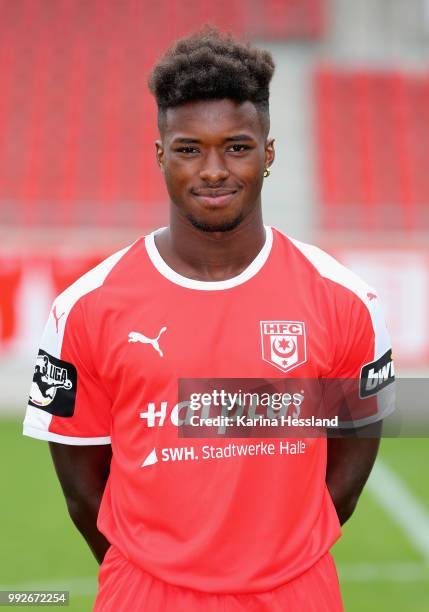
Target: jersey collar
173,276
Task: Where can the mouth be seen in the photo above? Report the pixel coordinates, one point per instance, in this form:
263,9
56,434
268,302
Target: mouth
214,198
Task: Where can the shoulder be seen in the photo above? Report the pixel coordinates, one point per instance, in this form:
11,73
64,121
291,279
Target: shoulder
339,280
355,303
91,280
69,305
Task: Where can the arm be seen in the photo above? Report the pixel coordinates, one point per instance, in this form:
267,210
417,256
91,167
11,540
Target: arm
350,460
83,472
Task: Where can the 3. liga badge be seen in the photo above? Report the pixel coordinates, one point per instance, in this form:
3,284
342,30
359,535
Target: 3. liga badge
283,344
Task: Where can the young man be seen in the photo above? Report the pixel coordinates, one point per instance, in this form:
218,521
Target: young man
183,524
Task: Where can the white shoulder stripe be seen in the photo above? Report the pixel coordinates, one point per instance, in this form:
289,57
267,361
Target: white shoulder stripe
330,268
63,304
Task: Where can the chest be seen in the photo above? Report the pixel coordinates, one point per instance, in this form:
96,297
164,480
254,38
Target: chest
164,336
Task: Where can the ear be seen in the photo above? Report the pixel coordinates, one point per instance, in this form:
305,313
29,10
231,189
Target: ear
159,154
270,152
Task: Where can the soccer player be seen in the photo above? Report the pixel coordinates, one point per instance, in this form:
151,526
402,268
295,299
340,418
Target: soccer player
182,524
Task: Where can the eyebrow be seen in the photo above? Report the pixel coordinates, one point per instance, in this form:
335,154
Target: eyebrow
239,137
186,141
235,138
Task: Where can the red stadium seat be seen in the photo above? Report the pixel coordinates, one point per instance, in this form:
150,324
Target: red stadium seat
372,134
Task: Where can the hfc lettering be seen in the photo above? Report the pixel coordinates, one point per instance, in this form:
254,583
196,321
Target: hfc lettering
281,329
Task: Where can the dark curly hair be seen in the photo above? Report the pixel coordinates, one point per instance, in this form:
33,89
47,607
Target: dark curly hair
210,65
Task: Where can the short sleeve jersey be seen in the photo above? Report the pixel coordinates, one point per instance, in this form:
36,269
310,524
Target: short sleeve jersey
189,511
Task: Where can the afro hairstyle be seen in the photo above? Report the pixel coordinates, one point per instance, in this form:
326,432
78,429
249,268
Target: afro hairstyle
211,65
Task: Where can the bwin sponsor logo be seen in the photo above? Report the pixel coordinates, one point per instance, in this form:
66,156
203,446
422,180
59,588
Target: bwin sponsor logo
377,375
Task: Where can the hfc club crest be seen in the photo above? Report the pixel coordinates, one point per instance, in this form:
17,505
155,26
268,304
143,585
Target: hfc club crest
283,344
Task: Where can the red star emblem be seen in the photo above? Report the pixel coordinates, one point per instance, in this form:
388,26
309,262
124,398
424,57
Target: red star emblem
283,344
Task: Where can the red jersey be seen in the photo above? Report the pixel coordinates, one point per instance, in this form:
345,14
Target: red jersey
226,516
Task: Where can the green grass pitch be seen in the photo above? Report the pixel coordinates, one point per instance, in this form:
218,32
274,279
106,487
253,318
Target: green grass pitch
379,567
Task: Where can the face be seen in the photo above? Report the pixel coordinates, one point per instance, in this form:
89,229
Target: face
213,155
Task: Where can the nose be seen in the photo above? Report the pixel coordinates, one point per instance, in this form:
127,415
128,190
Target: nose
214,169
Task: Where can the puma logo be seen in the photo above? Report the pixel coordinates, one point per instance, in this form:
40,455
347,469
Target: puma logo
138,337
56,317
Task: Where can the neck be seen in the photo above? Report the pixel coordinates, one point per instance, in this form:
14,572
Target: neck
210,256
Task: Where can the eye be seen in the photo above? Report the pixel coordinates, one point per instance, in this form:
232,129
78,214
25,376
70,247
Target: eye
238,148
187,150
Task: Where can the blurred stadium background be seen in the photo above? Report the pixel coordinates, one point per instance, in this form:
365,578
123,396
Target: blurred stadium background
78,180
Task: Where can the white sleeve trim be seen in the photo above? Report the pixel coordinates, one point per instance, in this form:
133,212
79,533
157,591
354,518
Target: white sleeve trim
49,436
388,404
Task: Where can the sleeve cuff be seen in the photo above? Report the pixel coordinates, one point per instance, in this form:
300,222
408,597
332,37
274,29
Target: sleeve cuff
50,436
379,416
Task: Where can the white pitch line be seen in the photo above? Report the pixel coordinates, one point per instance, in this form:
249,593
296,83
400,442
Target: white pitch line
383,572
76,586
402,506
348,572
